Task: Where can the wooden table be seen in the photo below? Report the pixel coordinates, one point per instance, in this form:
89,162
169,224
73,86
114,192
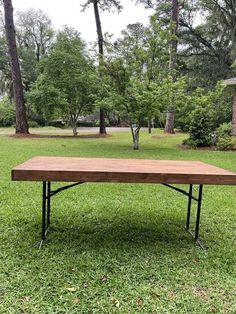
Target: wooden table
81,170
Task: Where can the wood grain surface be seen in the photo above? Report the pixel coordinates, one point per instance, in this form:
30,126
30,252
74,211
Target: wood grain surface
73,169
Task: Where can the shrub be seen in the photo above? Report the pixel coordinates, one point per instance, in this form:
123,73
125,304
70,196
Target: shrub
97,123
201,127
38,118
224,130
33,124
7,113
86,124
227,143
57,123
189,142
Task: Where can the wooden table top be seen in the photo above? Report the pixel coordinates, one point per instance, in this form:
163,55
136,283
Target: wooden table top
73,169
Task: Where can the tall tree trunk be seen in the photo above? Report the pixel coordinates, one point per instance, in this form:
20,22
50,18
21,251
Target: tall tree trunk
21,119
102,127
135,136
75,128
73,122
149,125
234,116
170,117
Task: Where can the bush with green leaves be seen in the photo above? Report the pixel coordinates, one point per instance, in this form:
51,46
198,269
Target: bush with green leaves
216,101
227,143
7,113
224,130
33,124
59,123
201,127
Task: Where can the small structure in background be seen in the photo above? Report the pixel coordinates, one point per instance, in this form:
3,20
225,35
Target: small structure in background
232,82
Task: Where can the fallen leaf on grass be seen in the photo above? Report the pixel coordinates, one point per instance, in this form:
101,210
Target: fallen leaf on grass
71,289
115,303
171,295
25,299
214,309
77,301
200,292
104,278
139,302
155,294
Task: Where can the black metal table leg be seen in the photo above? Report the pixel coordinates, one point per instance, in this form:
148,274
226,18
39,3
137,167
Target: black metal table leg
44,200
189,206
48,203
199,204
191,198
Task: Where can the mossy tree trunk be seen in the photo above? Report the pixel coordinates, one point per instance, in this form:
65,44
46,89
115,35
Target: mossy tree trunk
234,116
102,126
21,118
135,135
170,116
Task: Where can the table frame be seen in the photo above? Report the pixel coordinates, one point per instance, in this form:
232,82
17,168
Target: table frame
48,193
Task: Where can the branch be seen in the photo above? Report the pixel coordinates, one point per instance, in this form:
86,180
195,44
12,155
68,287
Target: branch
197,35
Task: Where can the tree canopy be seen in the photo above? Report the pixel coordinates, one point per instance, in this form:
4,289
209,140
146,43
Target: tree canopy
173,65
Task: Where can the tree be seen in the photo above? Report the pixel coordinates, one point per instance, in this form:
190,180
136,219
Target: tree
66,80
224,13
137,65
131,97
169,127
103,5
34,31
168,14
208,46
5,70
21,119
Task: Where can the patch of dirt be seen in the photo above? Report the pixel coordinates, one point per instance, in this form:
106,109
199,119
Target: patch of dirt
201,293
80,136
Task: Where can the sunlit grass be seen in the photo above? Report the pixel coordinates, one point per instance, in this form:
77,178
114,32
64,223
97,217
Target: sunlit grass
114,248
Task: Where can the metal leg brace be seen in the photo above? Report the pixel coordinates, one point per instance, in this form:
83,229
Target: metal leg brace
46,206
199,204
48,193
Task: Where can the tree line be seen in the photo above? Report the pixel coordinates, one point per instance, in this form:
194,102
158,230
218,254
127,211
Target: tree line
164,71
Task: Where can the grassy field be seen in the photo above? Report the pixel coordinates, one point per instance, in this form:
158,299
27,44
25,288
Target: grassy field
114,248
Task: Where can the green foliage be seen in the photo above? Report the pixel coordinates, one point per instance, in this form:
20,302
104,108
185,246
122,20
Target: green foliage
66,81
34,33
224,130
28,66
5,72
227,143
201,127
33,124
45,97
133,82
104,5
7,113
214,101
135,99
56,123
168,89
209,45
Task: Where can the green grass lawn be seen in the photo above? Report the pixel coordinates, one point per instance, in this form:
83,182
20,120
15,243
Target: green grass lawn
115,248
